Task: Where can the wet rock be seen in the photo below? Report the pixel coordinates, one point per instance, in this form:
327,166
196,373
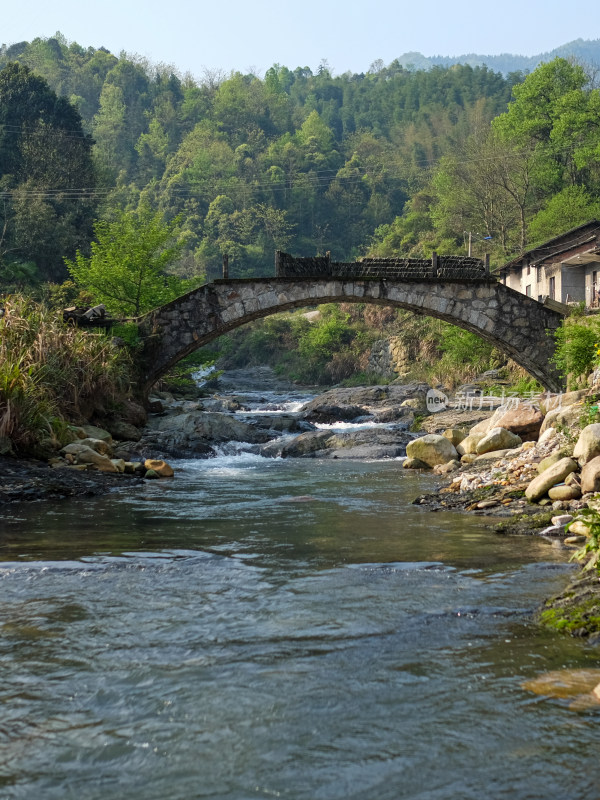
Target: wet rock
549,478
193,433
432,449
151,475
306,444
414,463
330,413
162,469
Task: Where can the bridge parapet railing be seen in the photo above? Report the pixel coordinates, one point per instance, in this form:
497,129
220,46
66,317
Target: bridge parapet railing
458,267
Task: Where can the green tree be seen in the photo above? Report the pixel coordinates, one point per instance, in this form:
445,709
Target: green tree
128,262
46,173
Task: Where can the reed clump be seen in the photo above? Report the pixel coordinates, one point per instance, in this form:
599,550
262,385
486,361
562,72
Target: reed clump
52,374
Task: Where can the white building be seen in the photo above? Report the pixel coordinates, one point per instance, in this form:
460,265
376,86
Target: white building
566,268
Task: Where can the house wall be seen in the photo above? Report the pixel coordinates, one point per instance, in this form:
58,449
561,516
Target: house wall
592,299
572,285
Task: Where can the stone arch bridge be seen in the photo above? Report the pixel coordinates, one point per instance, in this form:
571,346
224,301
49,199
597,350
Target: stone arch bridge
459,291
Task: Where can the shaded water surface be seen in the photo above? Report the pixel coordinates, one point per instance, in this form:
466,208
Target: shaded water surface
267,628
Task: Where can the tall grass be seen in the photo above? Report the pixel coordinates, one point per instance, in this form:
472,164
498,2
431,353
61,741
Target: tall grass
51,373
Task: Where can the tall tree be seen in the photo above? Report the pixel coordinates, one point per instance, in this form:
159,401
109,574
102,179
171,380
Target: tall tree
46,164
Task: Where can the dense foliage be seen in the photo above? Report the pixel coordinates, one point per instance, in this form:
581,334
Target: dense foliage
178,172
296,160
51,374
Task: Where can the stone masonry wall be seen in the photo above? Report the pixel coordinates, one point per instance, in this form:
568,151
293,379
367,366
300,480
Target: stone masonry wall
514,323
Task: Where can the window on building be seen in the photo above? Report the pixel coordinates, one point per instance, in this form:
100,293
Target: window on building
552,288
540,298
539,275
528,269
528,291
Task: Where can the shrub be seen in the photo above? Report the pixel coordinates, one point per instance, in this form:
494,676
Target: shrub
576,346
51,373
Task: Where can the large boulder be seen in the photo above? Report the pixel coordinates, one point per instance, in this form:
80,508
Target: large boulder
564,417
590,476
123,431
328,414
498,439
549,478
194,432
86,455
564,493
432,449
588,444
524,419
93,432
468,446
455,435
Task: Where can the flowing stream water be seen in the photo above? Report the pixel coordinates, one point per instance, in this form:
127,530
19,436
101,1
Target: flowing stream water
280,628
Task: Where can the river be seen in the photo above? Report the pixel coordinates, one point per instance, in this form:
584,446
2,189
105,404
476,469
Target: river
280,628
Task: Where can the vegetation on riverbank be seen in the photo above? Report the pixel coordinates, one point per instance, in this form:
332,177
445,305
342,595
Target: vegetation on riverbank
52,375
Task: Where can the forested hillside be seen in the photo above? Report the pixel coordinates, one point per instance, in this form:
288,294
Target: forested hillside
308,162
391,161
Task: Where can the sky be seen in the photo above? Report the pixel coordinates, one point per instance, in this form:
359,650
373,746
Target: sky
350,36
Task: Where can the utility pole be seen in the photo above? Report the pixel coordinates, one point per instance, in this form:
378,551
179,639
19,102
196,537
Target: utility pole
470,242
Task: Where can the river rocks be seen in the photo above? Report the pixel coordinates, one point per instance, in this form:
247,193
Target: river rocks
491,455
564,417
455,436
98,445
324,413
525,420
432,449
221,404
194,433
369,443
414,463
87,455
497,439
93,432
469,443
123,431
481,427
590,476
448,467
306,444
549,478
564,492
372,399
547,462
588,444
162,469
579,528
